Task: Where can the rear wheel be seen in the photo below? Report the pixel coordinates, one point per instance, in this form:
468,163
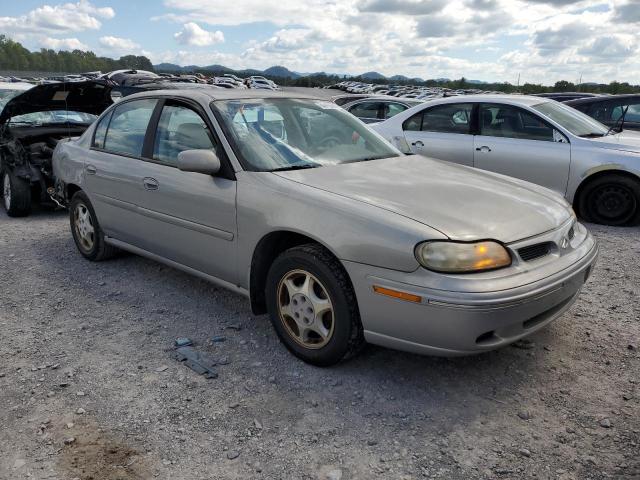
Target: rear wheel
86,231
611,199
313,307
16,195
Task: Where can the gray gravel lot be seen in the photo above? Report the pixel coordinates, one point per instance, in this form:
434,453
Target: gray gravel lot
89,390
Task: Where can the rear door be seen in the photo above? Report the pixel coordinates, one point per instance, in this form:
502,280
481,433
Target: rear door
113,167
518,143
442,132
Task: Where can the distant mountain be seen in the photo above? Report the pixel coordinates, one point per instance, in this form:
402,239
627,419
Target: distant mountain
404,78
280,71
476,82
373,76
167,67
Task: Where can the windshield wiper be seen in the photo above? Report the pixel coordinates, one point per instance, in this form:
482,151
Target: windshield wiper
366,159
294,167
615,128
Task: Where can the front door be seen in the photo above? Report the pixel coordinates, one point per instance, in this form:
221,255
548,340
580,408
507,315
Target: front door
518,143
189,218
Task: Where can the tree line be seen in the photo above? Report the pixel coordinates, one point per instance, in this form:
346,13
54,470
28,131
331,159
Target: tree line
13,56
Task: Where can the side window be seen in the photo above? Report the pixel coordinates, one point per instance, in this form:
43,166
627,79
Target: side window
180,129
365,110
101,131
392,109
414,124
449,118
128,126
513,122
633,112
601,111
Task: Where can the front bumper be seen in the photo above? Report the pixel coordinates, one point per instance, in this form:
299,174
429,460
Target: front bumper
449,323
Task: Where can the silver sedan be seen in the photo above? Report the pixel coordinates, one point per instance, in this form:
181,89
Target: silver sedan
341,238
542,141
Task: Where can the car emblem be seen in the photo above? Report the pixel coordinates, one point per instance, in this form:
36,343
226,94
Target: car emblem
564,243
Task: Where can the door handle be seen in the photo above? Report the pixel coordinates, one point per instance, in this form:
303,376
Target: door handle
150,183
90,169
483,149
418,144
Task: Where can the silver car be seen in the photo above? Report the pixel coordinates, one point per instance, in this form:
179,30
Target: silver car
340,241
594,167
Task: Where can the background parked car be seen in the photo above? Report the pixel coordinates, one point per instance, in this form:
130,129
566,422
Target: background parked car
567,96
609,109
537,140
378,109
31,125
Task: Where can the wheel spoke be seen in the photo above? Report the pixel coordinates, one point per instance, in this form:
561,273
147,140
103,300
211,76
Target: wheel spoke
305,309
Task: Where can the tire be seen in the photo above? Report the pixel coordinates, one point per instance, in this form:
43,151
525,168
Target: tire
611,199
328,281
86,231
16,195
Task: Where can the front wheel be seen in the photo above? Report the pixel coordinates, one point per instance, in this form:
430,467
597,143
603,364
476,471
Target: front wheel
313,307
86,231
16,195
611,199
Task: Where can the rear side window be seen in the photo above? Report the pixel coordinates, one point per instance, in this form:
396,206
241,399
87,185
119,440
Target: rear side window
365,110
101,131
180,129
449,118
392,109
128,127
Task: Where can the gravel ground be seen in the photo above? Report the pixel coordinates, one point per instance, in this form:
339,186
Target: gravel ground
89,390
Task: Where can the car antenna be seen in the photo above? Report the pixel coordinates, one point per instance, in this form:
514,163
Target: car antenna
620,121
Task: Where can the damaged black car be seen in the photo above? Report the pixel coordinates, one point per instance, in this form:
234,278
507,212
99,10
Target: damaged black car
31,125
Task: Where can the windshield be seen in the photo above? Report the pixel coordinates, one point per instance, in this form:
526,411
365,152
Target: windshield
281,134
576,122
56,116
6,95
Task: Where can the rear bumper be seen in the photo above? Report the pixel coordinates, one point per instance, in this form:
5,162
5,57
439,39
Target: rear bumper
450,323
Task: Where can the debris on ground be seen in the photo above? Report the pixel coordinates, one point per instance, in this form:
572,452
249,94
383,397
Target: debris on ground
196,361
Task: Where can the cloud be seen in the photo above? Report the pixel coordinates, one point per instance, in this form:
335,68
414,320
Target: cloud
405,7
193,34
552,40
59,19
610,48
628,12
118,44
63,44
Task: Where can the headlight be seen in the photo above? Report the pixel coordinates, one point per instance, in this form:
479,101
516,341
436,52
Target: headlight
454,257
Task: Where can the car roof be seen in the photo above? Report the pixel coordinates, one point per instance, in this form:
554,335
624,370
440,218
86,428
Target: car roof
484,98
206,95
607,98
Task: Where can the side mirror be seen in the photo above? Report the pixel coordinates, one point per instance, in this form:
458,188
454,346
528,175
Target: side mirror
199,161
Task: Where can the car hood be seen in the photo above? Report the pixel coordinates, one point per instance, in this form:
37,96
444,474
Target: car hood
627,140
461,202
88,97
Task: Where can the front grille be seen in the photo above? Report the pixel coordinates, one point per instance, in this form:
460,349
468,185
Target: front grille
572,233
531,252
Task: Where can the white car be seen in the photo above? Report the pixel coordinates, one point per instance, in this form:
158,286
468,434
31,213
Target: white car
542,141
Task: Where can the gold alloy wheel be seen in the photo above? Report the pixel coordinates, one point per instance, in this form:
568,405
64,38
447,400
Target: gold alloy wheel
305,309
84,226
